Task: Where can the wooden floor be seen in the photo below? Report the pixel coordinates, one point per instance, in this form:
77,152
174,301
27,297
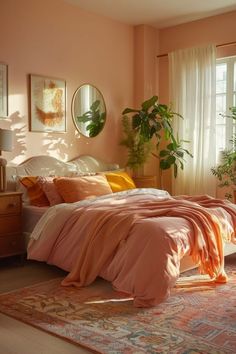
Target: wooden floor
17,337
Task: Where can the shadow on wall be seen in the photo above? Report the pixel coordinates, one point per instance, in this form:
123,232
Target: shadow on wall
58,145
24,145
55,146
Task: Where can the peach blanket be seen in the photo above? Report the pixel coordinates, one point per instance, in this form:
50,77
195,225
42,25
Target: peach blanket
137,241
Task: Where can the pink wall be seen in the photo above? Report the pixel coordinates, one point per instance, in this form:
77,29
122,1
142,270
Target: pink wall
56,39
145,75
145,48
218,30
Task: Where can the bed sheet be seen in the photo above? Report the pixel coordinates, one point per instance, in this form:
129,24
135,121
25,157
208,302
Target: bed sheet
30,217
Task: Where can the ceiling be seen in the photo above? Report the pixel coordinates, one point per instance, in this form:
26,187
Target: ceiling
157,13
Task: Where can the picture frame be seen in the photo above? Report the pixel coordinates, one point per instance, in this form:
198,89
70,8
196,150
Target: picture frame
3,90
47,104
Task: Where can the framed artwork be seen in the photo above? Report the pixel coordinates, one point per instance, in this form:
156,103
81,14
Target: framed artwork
47,104
3,90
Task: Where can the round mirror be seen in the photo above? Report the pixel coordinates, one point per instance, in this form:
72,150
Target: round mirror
88,110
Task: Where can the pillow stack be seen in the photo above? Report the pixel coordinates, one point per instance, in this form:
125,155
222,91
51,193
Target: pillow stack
48,191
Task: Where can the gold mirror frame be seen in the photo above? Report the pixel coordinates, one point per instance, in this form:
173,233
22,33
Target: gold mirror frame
88,110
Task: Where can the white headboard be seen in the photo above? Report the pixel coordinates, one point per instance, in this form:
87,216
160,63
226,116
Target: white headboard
86,163
47,165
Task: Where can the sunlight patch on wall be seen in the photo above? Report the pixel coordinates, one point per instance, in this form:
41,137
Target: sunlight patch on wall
55,147
19,101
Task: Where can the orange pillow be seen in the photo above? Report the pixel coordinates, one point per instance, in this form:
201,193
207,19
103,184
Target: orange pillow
79,188
35,193
119,181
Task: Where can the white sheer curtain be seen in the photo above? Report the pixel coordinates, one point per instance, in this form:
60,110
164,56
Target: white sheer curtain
192,93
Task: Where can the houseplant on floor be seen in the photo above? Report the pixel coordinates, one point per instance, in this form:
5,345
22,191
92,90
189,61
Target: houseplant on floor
146,129
226,170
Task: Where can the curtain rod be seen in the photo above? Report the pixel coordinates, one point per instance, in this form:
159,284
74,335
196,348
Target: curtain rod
217,46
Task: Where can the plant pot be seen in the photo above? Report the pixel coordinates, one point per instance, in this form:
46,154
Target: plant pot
145,181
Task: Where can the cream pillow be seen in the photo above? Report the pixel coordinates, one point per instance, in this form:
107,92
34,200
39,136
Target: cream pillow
79,188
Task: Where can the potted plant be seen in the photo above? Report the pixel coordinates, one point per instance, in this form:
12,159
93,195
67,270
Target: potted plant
138,148
226,170
147,128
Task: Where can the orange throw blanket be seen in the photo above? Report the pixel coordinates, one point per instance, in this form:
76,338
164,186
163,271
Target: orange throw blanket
111,226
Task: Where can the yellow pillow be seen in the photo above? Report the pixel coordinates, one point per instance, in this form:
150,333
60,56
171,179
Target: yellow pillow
119,181
79,188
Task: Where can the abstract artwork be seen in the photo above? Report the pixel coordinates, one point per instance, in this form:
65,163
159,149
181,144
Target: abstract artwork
47,104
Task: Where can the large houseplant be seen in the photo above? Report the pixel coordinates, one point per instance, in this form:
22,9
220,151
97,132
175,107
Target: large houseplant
226,170
147,127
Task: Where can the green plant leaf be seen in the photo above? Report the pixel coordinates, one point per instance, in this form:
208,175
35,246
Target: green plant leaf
180,153
226,171
153,122
149,103
171,159
152,131
164,165
171,146
175,170
162,109
95,105
129,110
136,121
164,153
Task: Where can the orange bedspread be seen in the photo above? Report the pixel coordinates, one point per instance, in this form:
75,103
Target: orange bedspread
137,242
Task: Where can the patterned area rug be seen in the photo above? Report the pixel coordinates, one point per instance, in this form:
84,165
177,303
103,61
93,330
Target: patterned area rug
195,319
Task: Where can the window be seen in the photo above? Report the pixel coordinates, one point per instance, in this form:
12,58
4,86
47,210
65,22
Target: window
225,98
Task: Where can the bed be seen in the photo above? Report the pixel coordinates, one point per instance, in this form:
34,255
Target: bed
138,239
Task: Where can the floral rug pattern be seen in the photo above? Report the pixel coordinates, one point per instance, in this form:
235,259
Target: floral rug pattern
200,319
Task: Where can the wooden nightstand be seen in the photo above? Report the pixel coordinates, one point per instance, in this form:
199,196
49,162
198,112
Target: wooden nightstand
11,239
145,181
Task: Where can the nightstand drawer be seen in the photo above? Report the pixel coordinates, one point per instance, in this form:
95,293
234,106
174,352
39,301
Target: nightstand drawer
10,204
11,245
9,224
